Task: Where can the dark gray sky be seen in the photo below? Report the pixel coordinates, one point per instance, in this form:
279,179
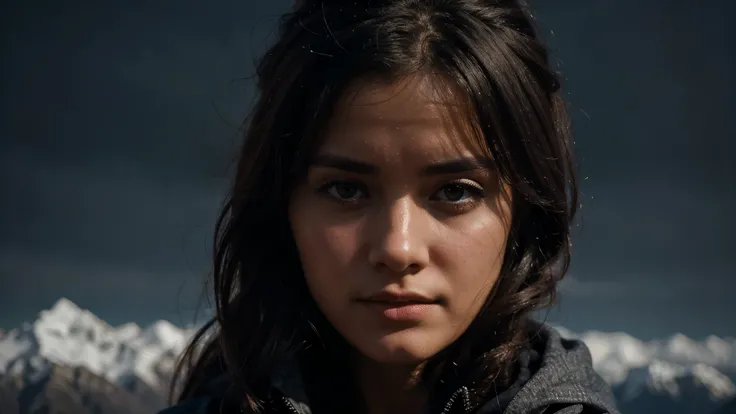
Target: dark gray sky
118,122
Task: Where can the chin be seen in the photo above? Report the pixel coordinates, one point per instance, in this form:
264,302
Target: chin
407,347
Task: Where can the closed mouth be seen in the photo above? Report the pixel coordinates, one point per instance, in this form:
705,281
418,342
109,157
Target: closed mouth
399,299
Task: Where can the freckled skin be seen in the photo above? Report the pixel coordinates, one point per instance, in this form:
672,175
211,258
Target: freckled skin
398,227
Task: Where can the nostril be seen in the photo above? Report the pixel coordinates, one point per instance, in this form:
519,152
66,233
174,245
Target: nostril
399,269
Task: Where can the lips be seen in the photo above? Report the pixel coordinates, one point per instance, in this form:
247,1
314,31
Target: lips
399,298
401,306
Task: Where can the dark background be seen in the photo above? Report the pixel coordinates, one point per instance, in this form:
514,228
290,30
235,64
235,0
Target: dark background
118,122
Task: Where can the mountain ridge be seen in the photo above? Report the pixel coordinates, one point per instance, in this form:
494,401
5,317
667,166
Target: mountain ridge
669,375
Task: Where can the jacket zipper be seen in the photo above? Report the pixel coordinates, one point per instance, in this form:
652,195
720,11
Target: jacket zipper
290,406
464,394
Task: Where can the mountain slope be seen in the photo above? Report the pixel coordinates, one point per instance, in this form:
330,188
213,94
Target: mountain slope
728,407
669,387
66,389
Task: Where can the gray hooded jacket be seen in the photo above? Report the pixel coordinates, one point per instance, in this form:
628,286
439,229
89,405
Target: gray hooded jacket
556,377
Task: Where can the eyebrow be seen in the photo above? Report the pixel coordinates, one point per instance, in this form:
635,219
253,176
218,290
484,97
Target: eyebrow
455,166
459,165
344,163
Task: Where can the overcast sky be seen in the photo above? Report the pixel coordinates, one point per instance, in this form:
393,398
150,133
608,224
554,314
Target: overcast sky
118,124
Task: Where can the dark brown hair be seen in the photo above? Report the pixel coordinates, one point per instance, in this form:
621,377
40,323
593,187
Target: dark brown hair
490,51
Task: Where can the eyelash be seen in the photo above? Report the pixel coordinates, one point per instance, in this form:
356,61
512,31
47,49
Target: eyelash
324,189
476,192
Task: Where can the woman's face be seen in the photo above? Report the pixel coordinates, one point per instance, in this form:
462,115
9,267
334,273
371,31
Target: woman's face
400,226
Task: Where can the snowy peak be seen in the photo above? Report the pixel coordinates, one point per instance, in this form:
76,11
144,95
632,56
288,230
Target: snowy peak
719,385
64,307
162,334
127,332
674,375
67,335
619,357
713,351
663,377
618,346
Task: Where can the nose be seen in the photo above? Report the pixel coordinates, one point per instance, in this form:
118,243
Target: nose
397,238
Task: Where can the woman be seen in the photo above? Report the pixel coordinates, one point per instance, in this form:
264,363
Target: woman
402,203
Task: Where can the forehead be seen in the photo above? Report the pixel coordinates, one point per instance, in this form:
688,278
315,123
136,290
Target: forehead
418,115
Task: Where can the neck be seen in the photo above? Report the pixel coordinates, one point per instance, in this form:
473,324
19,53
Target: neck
388,388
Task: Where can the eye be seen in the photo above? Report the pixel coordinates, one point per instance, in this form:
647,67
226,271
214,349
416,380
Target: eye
345,191
459,192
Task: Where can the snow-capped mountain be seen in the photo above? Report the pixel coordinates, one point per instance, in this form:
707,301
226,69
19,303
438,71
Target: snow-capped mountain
67,336
675,375
666,385
615,353
70,350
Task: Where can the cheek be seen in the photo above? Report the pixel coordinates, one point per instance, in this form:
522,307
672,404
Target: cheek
472,257
326,250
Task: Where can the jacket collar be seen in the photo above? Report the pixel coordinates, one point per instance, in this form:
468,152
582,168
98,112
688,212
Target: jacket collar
287,380
553,371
